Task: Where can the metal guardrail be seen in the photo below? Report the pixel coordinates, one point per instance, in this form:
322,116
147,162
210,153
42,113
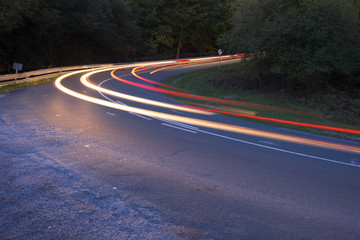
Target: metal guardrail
56,72
44,73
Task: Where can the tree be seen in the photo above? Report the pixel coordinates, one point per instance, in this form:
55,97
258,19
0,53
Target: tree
24,27
96,31
308,43
169,26
44,33
146,16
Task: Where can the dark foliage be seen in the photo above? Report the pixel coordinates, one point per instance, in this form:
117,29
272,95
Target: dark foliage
311,45
174,26
48,33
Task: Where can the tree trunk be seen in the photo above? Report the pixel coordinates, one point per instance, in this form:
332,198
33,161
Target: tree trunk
178,50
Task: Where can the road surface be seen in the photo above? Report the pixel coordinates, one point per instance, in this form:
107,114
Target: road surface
183,180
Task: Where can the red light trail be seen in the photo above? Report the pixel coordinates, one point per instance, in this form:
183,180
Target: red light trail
189,120
229,102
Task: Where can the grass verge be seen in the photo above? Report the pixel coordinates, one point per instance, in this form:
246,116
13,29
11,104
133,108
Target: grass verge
200,83
17,86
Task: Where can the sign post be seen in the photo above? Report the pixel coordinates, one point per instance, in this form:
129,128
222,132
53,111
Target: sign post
17,67
219,52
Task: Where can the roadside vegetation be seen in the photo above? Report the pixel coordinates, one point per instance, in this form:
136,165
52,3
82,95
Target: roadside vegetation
17,86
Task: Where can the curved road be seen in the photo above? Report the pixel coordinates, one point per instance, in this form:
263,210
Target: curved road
207,183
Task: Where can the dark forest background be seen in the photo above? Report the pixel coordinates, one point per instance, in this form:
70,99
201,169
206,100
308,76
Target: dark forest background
47,33
309,45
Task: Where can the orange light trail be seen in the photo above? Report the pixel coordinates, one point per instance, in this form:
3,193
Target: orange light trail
203,98
161,69
150,81
197,61
201,123
143,68
86,82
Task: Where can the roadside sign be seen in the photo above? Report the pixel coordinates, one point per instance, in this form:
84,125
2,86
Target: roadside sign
220,52
17,67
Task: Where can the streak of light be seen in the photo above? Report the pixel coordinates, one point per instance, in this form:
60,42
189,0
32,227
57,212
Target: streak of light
165,66
231,102
203,98
161,69
213,58
150,81
344,130
143,68
85,80
197,61
181,62
204,123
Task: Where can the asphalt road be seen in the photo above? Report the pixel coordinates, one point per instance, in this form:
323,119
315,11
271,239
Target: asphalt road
187,182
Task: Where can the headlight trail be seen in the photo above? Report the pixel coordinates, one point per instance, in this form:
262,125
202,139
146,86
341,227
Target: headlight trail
161,69
181,62
85,80
150,81
199,122
195,61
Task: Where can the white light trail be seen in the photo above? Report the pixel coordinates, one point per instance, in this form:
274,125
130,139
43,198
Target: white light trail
85,80
201,123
